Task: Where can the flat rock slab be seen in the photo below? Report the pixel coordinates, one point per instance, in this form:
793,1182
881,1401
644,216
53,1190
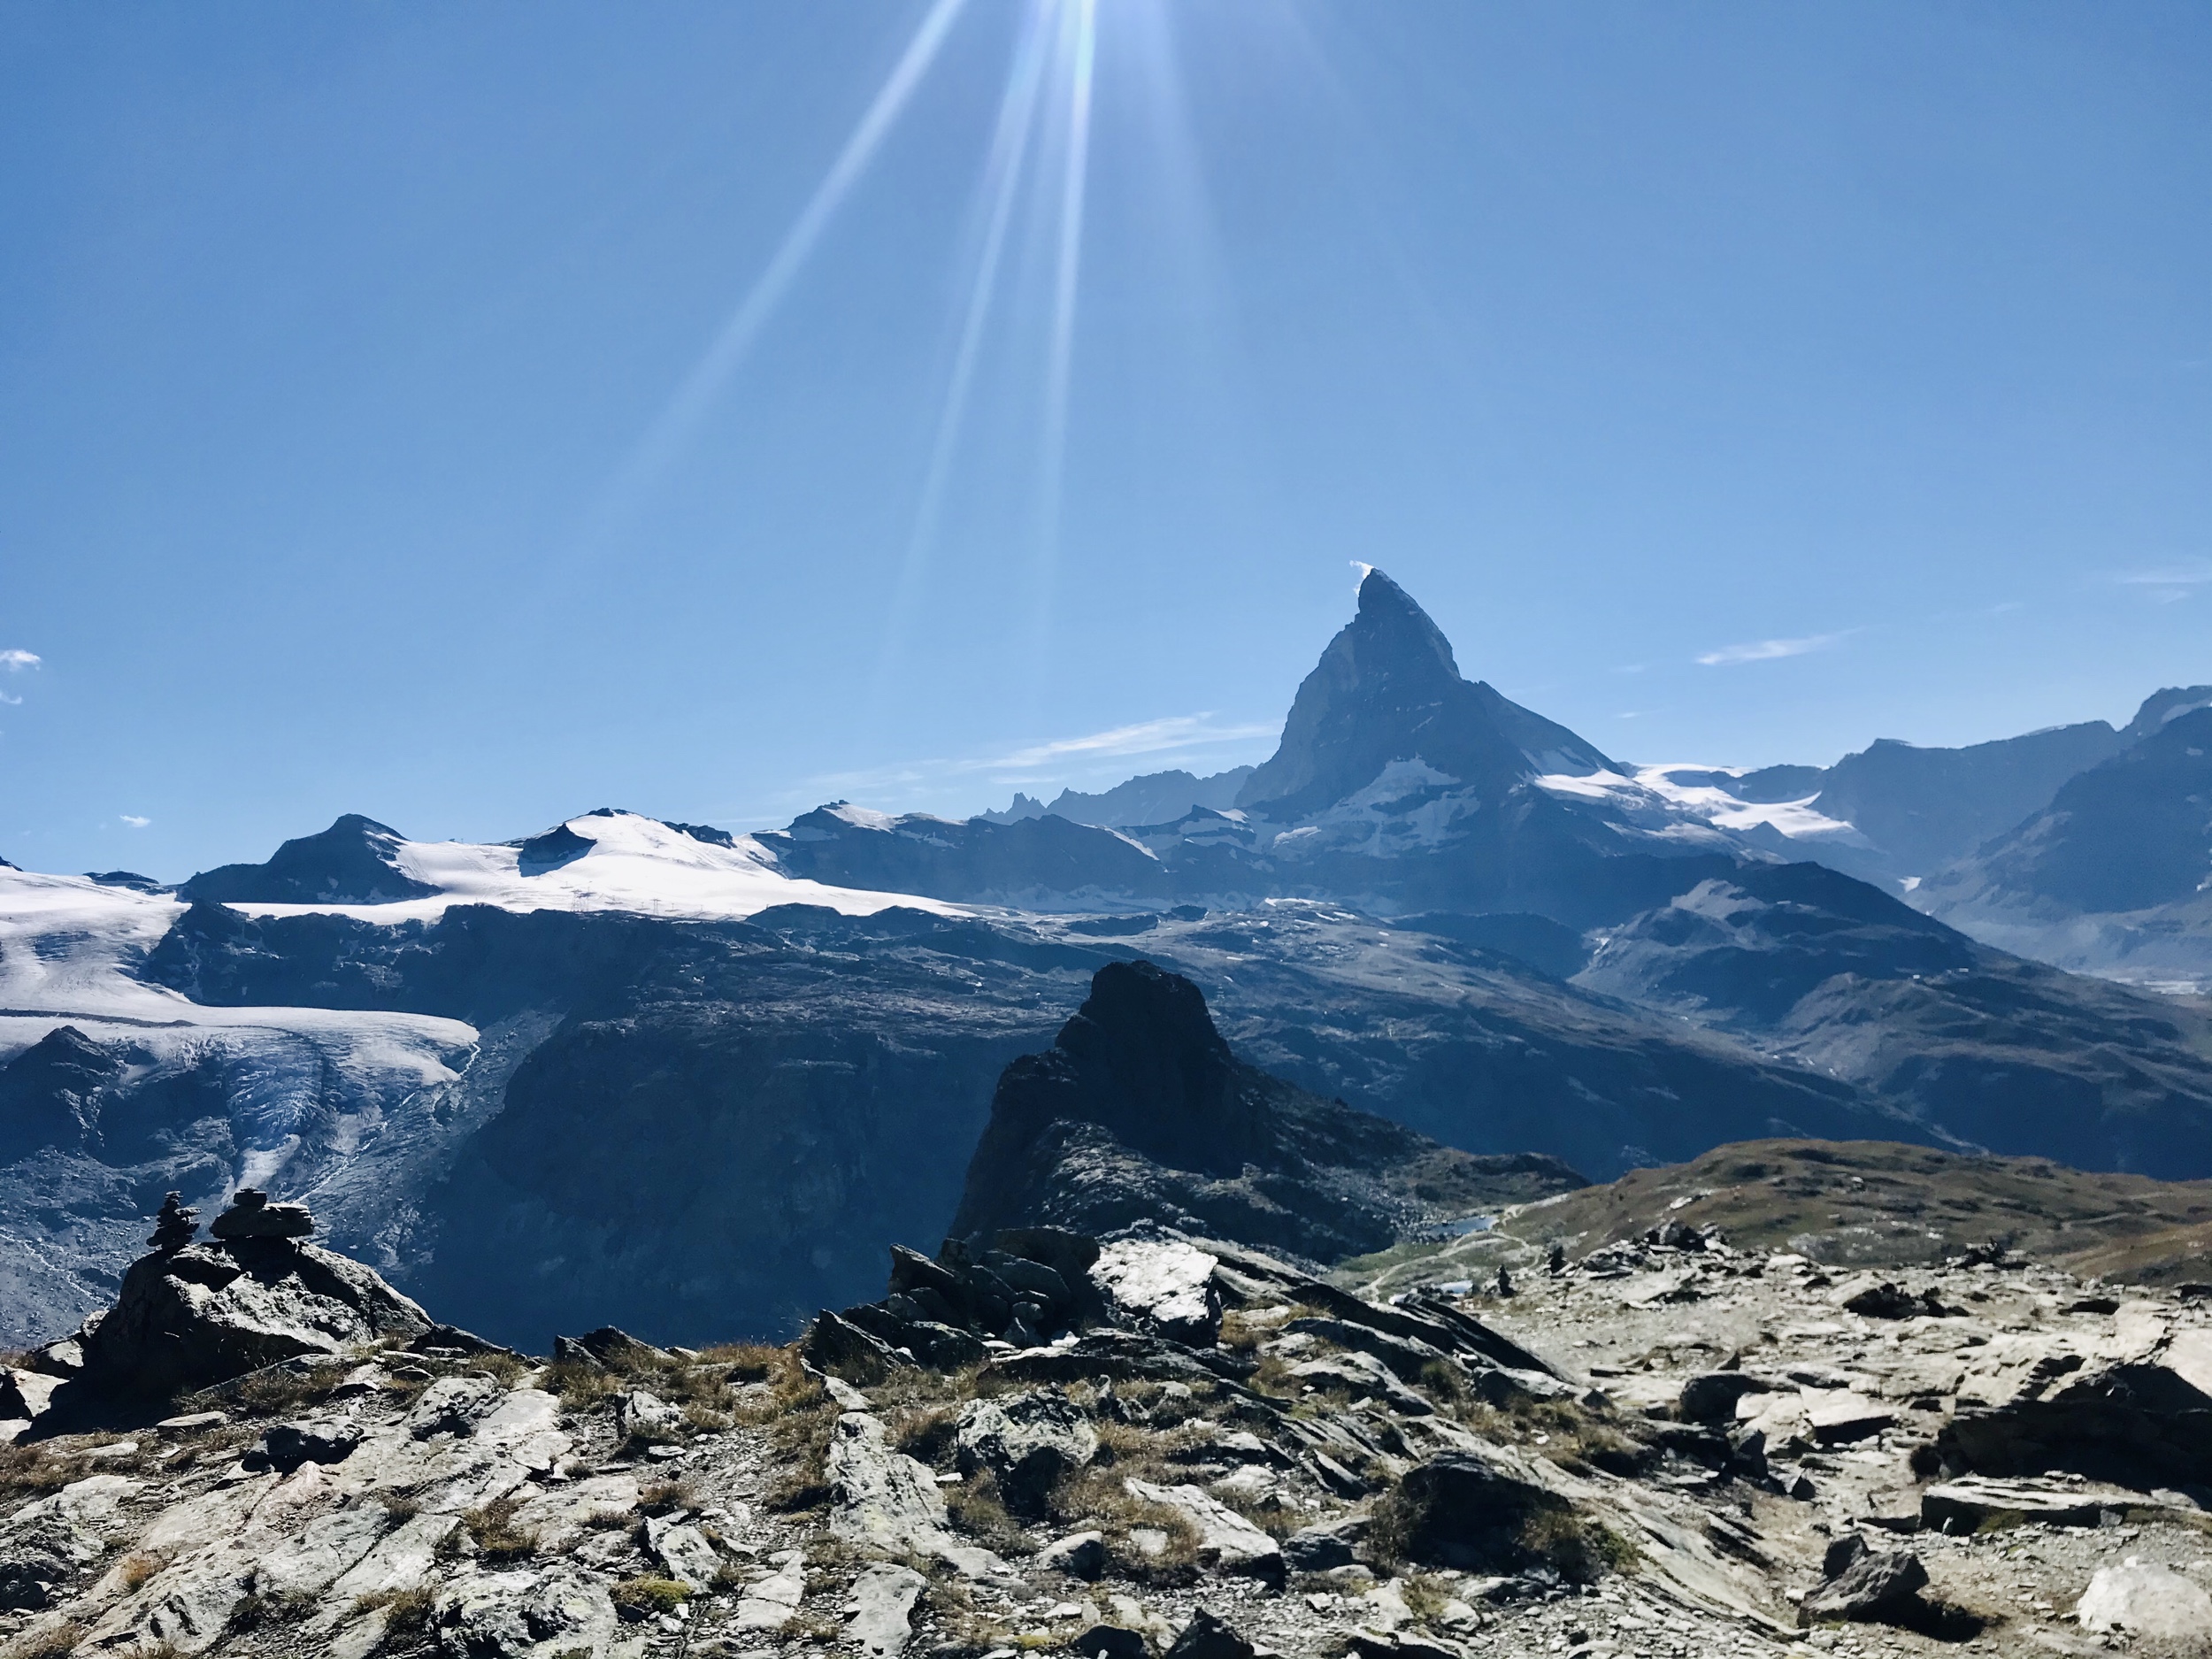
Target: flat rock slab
882,1609
772,1602
1163,1286
1968,1504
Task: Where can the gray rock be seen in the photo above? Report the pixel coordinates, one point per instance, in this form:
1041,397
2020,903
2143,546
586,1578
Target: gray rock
1879,1586
1327,1544
1028,1442
286,1446
645,1417
1407,1358
251,1216
1079,1555
1162,1286
884,1501
772,1602
1110,1642
617,1349
524,1615
1467,1508
882,1608
835,1345
1226,1540
682,1550
188,1318
2145,1599
1878,1298
1711,1396
1207,1637
1362,1378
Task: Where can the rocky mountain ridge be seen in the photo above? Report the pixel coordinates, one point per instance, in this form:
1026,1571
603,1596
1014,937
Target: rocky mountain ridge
1178,1447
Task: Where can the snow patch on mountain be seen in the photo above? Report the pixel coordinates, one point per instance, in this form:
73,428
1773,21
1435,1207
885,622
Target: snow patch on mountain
1655,794
634,863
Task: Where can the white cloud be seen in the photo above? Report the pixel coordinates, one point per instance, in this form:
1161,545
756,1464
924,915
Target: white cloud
15,662
1767,650
5,698
135,821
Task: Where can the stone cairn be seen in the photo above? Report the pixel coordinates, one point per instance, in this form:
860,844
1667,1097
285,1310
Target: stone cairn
251,1216
176,1223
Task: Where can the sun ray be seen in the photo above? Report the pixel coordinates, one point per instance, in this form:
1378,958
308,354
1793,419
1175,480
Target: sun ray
1080,24
1011,142
665,438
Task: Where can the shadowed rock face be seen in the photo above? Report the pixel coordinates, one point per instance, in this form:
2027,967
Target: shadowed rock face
49,1092
351,863
1139,1111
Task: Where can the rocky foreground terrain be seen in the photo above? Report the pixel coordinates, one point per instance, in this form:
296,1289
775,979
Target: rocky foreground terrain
1144,1444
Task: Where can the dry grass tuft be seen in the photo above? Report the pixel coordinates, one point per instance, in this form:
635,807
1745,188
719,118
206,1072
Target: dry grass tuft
800,1439
979,1509
405,1611
495,1533
925,1433
581,1387
50,1643
134,1571
638,1598
661,1496
280,1390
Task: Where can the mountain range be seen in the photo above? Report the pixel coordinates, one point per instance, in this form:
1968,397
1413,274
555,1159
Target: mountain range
657,1075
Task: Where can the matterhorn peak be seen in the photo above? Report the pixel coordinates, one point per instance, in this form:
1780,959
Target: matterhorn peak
1387,689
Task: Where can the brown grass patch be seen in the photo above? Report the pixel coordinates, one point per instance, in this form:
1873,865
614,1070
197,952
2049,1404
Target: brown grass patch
642,1597
661,1496
496,1536
801,1440
405,1611
50,1643
979,1509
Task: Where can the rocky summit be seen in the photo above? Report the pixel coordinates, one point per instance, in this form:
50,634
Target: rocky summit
1140,1112
1147,1444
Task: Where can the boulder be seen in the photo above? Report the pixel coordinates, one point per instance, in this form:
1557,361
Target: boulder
188,1318
2142,1599
1711,1396
1406,1357
1028,1442
885,1501
1079,1555
835,1345
1466,1510
251,1216
2143,1421
682,1550
1226,1540
1207,1637
616,1349
1110,1642
286,1446
524,1615
1164,1286
1878,1586
646,1418
1968,1503
1362,1378
1327,1545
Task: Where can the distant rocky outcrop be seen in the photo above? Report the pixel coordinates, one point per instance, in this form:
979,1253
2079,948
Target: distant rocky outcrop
190,1316
353,862
1140,1112
49,1094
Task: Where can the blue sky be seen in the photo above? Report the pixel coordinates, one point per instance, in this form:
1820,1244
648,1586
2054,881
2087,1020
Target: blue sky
1732,383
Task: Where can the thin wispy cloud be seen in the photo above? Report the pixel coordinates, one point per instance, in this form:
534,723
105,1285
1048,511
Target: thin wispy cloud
133,820
2190,573
1768,650
1164,737
2168,584
15,662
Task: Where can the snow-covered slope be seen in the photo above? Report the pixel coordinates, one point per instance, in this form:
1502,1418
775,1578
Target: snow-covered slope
602,861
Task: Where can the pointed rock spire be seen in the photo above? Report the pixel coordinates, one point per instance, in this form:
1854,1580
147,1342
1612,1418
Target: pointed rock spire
1387,688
